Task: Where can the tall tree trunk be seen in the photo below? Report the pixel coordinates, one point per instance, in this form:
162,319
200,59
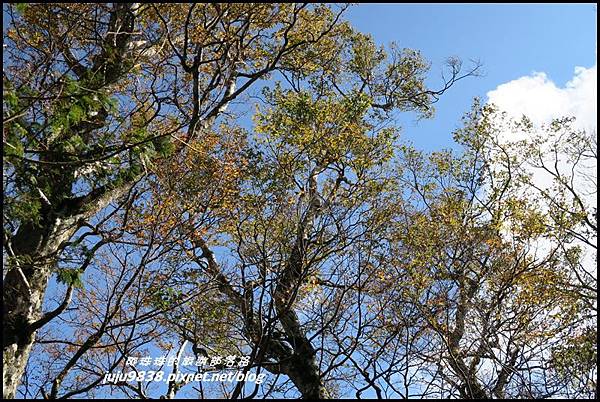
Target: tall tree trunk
302,367
34,249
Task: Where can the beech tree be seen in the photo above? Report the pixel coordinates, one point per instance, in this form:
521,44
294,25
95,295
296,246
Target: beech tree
490,266
96,93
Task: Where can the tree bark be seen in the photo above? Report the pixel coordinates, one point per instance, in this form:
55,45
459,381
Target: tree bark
34,249
302,367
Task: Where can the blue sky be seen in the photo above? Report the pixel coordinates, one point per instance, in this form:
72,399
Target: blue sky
511,41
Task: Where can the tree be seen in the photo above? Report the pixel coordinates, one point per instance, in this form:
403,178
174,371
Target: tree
95,94
300,197
490,268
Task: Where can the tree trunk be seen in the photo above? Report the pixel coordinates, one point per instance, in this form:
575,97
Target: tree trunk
22,307
305,374
25,283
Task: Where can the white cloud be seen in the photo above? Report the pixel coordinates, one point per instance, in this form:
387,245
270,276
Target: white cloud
541,100
538,97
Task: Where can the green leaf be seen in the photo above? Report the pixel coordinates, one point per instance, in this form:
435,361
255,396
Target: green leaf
21,7
71,277
11,99
76,114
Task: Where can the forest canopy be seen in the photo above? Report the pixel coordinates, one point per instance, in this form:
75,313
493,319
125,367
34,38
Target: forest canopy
223,188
